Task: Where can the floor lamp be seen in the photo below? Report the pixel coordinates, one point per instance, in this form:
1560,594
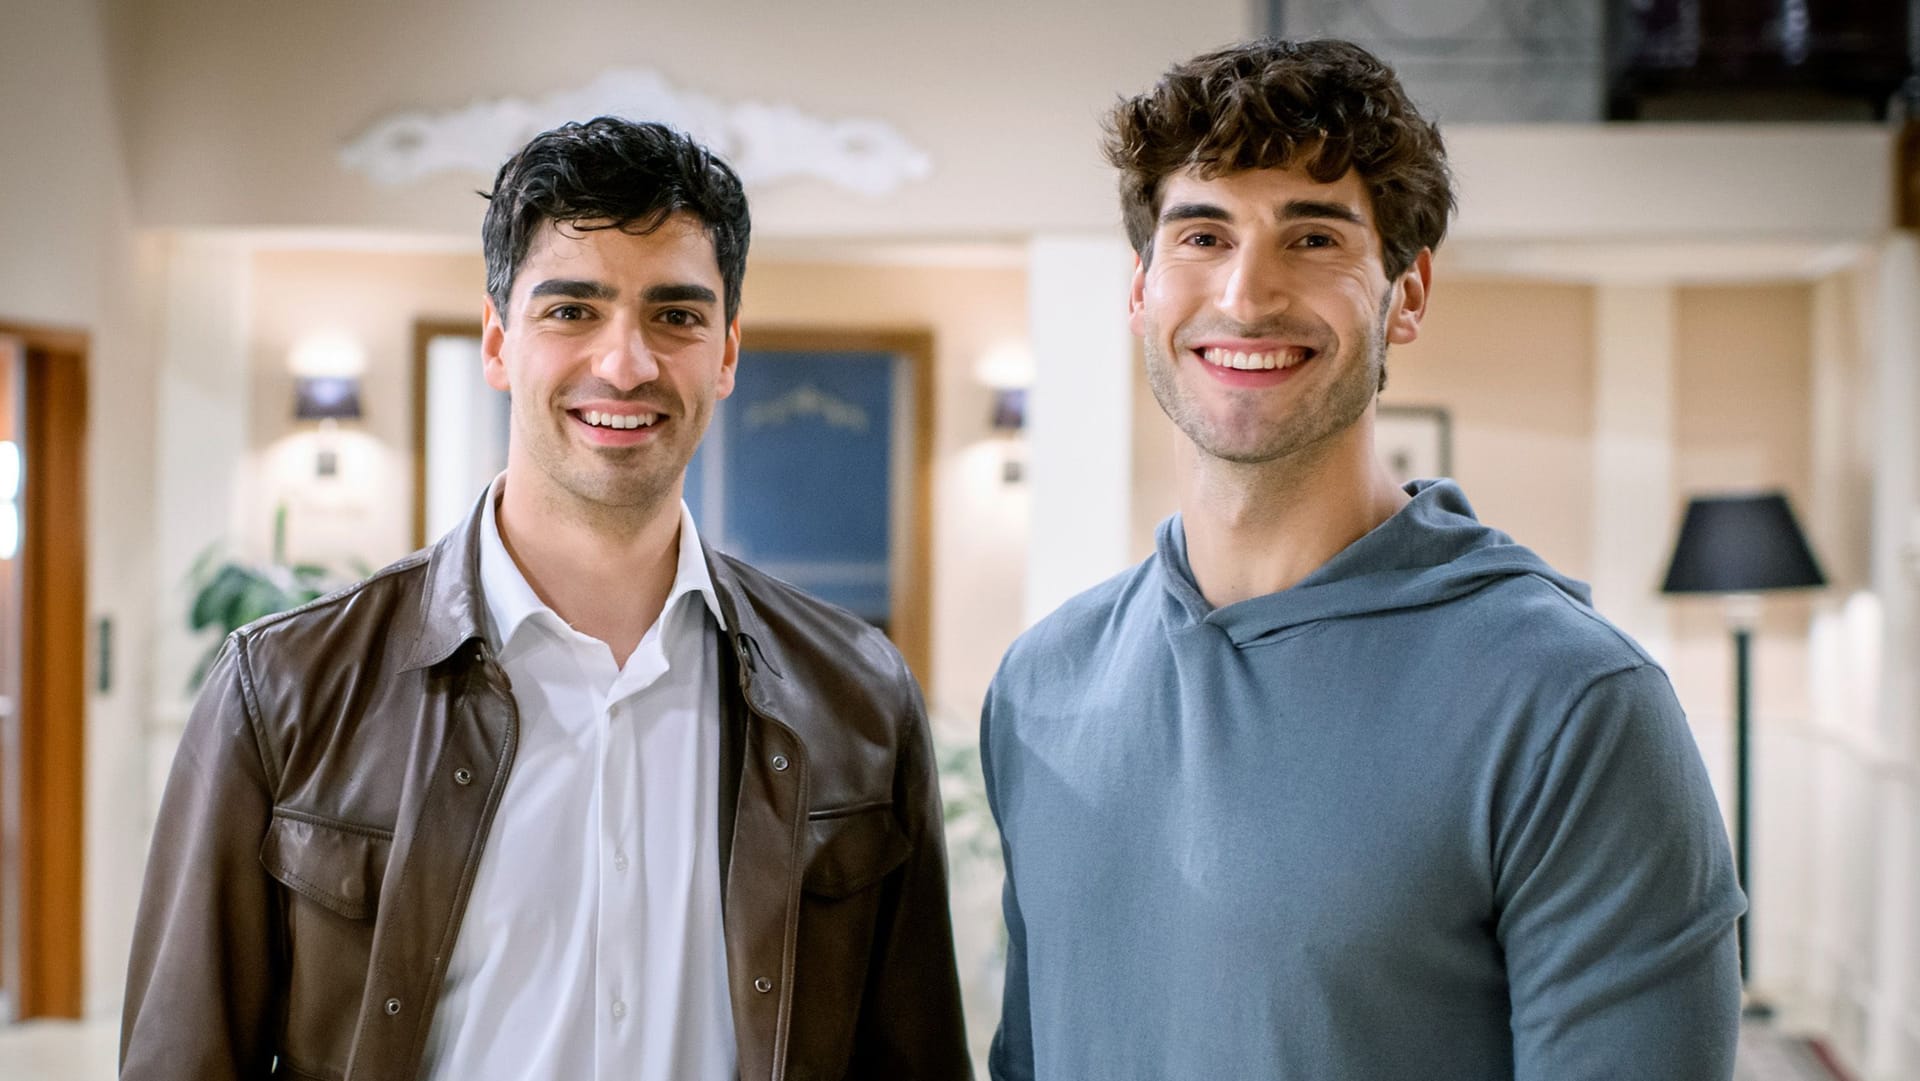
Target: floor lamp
1739,546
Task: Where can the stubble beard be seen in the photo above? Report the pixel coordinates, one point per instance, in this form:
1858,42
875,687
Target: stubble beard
607,486
1250,435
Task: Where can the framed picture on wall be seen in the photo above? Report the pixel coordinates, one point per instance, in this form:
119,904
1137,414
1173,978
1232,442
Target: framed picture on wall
1416,441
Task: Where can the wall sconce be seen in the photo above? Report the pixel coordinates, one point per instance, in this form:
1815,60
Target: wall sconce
328,399
10,469
1009,409
1010,419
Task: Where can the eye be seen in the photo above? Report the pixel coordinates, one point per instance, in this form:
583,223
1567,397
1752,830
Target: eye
1318,240
568,312
1202,239
681,317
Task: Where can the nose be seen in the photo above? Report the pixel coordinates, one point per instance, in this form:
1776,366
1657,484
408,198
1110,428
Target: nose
625,361
1255,285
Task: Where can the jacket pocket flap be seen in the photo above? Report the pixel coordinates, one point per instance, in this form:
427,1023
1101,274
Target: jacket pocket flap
336,866
849,852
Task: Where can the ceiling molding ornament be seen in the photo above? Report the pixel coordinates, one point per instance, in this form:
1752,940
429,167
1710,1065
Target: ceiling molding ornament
766,144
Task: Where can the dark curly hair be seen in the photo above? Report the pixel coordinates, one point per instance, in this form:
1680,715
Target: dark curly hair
616,174
1325,106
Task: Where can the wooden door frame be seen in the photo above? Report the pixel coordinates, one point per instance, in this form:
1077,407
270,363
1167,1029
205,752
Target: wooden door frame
53,695
424,332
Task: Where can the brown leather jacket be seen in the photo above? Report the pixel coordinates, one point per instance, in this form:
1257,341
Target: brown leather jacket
330,802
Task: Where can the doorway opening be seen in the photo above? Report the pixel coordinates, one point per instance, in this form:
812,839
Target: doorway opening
43,422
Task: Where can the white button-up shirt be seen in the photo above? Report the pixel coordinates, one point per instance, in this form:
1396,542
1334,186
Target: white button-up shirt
592,946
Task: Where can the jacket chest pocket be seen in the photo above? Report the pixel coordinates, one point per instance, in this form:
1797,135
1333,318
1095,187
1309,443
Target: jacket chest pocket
849,850
851,855
332,873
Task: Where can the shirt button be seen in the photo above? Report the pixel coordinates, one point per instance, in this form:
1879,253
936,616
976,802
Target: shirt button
620,862
393,1007
463,775
780,763
763,985
619,1009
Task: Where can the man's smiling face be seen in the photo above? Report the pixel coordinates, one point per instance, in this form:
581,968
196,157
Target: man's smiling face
614,350
1265,310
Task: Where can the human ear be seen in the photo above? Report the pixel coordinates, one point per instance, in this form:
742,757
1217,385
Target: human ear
729,362
493,334
1415,287
1137,299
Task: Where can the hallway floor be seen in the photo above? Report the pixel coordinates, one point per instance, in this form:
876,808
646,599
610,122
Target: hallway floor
85,1051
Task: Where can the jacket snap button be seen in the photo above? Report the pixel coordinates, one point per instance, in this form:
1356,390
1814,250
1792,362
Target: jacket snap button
463,775
780,763
393,1006
763,985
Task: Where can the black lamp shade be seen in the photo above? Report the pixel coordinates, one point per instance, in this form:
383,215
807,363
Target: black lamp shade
1741,544
326,397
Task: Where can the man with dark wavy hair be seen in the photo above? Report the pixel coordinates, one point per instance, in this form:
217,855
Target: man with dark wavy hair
568,796
1339,784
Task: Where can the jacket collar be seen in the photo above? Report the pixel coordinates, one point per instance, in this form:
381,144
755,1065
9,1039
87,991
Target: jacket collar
452,610
763,661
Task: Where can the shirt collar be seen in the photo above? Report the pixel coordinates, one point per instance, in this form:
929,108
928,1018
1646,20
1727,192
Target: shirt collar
511,601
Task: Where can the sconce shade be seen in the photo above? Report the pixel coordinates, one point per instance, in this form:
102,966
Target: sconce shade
326,397
1009,408
1741,544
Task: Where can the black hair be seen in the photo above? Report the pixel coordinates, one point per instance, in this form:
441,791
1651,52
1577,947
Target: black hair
610,173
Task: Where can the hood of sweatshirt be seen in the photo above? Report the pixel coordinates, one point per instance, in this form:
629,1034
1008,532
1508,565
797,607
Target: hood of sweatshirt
1433,550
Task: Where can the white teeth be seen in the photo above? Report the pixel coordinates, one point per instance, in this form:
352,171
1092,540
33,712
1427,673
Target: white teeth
1228,358
618,421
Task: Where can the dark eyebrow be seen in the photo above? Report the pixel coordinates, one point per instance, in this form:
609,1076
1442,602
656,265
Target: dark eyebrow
1297,209
570,287
1294,210
678,294
1194,212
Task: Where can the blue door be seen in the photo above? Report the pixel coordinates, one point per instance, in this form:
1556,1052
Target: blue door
795,473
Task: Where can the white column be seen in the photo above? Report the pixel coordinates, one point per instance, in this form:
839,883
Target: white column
1634,509
202,403
1894,334
1079,415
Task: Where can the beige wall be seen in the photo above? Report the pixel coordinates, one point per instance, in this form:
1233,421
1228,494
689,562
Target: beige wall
237,109
1512,364
68,258
365,512
1744,422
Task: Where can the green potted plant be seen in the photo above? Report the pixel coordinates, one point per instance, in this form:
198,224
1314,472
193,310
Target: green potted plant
230,593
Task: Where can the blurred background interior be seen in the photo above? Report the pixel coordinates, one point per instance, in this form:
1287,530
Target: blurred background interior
240,281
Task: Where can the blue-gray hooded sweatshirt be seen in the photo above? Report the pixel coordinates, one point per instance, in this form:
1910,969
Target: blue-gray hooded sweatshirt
1425,815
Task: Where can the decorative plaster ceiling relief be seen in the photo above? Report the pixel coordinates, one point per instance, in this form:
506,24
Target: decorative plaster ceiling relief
765,144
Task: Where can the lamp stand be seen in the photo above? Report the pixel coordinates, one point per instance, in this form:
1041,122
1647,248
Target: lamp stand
1742,620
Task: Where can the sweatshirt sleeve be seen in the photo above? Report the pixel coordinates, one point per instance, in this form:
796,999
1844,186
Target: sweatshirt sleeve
1617,899
1011,1058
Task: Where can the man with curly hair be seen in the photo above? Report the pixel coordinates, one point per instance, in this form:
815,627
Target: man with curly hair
567,796
1339,784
